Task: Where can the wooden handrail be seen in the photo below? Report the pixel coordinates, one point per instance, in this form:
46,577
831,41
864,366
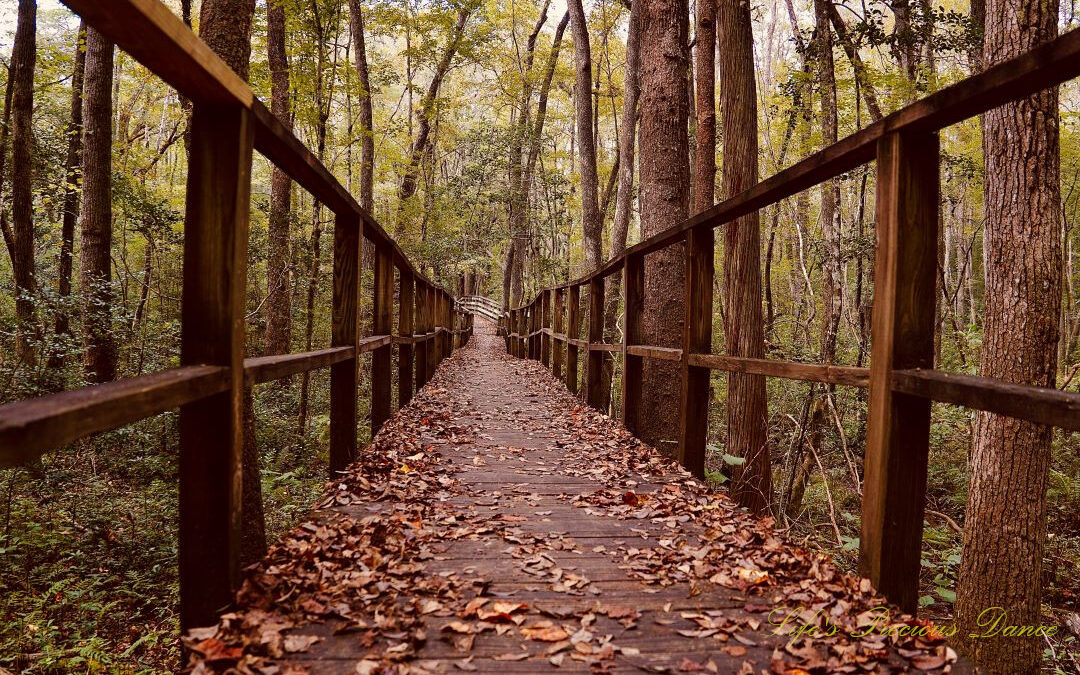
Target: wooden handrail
228,124
901,380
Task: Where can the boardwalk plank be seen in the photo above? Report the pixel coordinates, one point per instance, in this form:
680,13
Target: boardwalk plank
495,512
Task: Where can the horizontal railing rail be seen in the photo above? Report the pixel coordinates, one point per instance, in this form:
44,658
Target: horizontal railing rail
228,123
901,379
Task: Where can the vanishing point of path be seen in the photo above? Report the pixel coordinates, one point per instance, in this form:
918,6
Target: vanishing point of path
498,525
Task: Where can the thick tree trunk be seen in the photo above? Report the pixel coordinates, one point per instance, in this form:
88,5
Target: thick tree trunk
95,273
586,142
367,120
747,412
72,171
664,171
225,25
1005,529
278,334
705,103
23,58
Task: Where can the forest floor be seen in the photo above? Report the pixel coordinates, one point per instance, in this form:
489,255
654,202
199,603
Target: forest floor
496,524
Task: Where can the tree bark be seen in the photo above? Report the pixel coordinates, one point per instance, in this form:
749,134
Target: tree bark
624,194
747,411
95,274
278,335
23,59
225,25
586,141
72,173
664,171
705,100
367,120
1005,529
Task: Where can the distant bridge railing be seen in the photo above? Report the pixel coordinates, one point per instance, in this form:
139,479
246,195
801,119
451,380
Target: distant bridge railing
228,123
901,378
482,305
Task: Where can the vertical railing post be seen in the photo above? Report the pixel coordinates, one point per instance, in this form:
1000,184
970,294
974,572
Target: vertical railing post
633,301
421,330
573,331
406,325
382,324
595,357
432,341
697,339
519,328
545,338
898,425
345,332
212,333
534,352
558,346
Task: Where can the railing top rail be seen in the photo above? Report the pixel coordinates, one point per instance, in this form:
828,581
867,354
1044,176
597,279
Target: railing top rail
155,37
1047,65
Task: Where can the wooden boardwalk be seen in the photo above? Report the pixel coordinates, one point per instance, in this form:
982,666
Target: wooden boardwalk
499,525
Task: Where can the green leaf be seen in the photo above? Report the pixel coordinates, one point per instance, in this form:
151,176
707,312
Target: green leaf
946,594
926,600
732,460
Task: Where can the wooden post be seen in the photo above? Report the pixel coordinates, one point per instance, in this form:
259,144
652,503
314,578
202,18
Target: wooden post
898,425
432,341
633,301
406,325
519,329
545,338
595,362
345,331
382,324
212,333
697,339
573,331
421,350
559,326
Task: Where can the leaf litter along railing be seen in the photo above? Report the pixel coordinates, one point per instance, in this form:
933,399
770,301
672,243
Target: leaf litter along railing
901,378
228,123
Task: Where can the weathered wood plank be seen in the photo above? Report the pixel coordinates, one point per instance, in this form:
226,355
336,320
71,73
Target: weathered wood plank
633,288
558,346
212,333
344,333
898,426
29,428
406,325
594,370
382,324
1036,404
811,372
261,369
697,339
573,329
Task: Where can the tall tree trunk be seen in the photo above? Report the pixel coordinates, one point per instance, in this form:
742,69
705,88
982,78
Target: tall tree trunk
278,334
514,281
23,58
832,294
225,25
664,171
367,119
624,195
421,145
519,184
95,273
72,171
1005,530
586,142
747,412
705,100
